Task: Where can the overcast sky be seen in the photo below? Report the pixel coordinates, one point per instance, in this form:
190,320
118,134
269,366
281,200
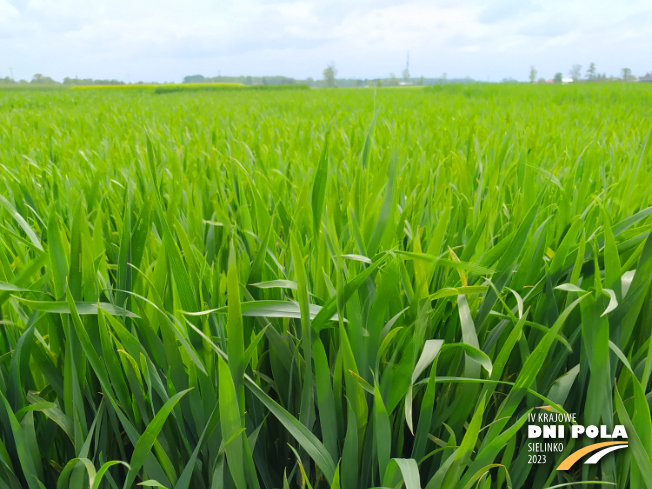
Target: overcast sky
164,40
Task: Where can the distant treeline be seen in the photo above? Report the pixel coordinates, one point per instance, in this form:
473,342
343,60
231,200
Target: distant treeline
243,80
278,80
90,81
39,79
340,82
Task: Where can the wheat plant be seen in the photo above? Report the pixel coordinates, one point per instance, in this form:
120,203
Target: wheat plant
322,288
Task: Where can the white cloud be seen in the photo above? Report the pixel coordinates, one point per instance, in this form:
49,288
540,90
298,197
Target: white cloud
165,39
8,15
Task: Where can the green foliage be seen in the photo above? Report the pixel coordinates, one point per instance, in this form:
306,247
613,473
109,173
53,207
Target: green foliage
344,288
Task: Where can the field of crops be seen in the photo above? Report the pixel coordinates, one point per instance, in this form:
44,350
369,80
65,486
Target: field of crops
322,288
190,87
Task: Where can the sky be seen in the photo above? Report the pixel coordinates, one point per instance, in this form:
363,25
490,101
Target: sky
164,40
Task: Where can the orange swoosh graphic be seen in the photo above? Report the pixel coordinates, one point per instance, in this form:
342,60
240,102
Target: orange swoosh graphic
575,456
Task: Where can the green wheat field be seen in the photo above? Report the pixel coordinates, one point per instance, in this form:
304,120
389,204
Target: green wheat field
322,288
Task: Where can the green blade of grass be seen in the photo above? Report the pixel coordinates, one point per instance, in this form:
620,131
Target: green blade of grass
21,222
148,438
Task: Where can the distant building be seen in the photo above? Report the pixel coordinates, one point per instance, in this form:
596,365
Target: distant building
565,81
647,78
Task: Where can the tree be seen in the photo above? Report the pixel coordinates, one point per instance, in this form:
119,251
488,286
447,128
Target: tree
329,76
533,74
575,72
591,73
626,75
393,81
44,80
558,77
194,79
